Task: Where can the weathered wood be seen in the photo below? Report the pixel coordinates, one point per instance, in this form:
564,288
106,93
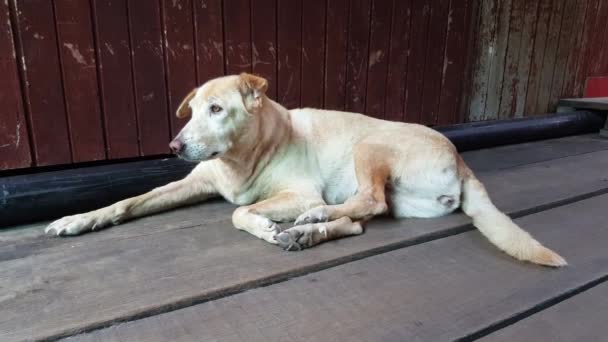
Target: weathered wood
436,291
581,318
313,52
237,36
14,137
433,67
525,58
178,40
150,87
416,60
210,47
377,65
595,66
566,42
582,62
577,48
397,61
44,101
264,43
510,80
484,54
540,39
289,53
150,265
336,38
357,58
454,62
497,66
113,51
79,67
550,57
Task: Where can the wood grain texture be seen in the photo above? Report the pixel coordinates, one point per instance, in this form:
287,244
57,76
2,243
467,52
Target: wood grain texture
514,42
565,45
14,136
209,40
264,42
178,40
289,52
149,77
497,65
416,60
577,48
113,53
237,36
336,39
358,53
580,318
582,63
397,60
436,291
44,101
79,68
313,52
536,66
377,60
550,57
180,257
525,58
600,27
434,66
454,62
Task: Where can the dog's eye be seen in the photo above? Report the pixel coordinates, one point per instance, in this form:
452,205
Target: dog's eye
216,109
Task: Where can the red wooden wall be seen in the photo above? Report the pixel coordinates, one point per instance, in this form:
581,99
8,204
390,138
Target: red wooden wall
87,80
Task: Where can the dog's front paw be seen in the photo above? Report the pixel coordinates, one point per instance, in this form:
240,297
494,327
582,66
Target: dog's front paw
294,239
314,215
73,225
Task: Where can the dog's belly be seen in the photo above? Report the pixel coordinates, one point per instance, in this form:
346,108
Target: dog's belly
340,185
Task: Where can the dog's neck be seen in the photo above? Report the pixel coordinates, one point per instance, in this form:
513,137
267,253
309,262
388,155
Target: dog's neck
271,131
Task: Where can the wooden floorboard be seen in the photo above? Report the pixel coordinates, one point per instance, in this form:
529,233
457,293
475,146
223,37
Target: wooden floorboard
438,291
580,318
58,286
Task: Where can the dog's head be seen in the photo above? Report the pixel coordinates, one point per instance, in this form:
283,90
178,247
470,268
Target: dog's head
222,112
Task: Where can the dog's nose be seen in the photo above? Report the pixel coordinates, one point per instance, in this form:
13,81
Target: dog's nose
176,146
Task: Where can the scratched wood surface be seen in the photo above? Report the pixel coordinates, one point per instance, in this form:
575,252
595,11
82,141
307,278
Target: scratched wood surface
120,68
62,285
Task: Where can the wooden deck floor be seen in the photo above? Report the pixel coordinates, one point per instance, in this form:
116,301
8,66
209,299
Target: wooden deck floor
187,275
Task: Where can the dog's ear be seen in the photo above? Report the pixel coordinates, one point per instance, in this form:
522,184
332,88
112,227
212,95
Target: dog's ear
184,109
252,88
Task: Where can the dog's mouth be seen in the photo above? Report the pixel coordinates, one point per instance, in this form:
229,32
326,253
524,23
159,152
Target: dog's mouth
185,157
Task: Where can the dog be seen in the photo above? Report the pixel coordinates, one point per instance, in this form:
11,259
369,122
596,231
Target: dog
330,171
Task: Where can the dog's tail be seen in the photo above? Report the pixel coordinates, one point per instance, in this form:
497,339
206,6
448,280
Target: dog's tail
500,229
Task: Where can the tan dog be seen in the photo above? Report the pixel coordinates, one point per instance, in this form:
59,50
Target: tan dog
326,170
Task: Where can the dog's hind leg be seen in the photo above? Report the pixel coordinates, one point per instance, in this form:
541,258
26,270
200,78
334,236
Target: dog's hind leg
372,168
259,218
307,235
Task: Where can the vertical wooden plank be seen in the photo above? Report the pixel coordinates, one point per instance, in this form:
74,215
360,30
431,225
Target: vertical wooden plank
237,30
263,42
289,52
525,57
149,76
115,78
358,48
178,37
335,53
313,52
377,67
454,63
540,39
509,82
485,53
586,48
397,60
433,69
417,57
565,45
43,85
208,26
79,68
497,67
14,137
578,29
548,66
472,58
597,43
